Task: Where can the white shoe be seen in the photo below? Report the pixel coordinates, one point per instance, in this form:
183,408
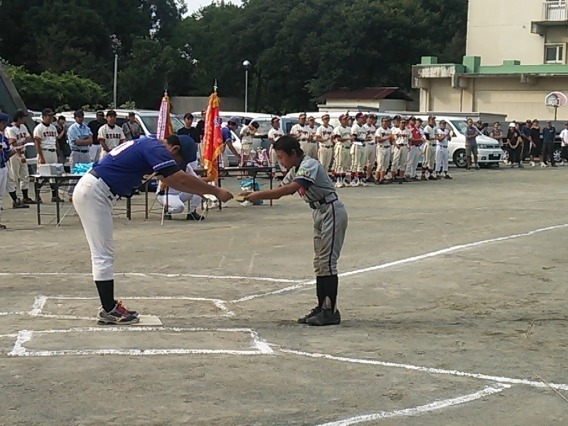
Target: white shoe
337,184
355,182
532,163
562,163
543,165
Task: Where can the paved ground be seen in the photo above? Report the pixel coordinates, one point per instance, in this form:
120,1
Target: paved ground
454,313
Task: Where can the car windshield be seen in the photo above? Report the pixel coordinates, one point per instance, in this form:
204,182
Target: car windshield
460,126
151,122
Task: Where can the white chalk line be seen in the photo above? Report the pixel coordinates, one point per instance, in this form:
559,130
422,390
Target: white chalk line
40,301
403,261
3,314
153,274
260,347
422,409
497,379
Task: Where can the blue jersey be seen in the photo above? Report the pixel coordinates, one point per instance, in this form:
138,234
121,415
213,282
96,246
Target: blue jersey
4,150
226,134
131,164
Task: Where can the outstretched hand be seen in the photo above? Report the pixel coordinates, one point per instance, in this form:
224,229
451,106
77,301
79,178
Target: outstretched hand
223,195
252,197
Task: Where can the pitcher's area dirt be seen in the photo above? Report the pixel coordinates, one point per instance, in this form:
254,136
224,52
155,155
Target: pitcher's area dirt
429,337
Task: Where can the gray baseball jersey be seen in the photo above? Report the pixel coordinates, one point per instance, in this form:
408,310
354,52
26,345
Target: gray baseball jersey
329,213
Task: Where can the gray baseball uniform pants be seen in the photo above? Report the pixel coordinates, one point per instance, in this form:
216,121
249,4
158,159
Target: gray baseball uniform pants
330,224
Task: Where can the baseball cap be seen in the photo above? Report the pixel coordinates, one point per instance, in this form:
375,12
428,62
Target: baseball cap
275,119
100,112
79,113
442,121
4,118
419,120
512,125
111,113
432,117
397,117
303,114
343,117
20,113
255,124
47,111
131,114
360,115
235,120
325,116
412,118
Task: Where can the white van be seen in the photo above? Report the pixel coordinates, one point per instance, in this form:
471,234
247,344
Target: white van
489,151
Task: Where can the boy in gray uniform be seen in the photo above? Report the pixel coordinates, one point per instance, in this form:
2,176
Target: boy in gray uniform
308,178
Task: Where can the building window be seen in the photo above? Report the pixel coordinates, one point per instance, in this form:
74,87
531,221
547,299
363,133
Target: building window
554,54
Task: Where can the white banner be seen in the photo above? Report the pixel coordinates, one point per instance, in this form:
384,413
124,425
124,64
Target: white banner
161,127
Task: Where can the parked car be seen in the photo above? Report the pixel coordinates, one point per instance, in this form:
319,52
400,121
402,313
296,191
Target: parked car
146,119
261,137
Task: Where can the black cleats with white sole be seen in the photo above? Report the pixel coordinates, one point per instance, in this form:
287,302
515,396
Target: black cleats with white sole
325,317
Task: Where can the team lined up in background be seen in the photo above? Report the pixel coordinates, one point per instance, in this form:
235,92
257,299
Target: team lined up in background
351,153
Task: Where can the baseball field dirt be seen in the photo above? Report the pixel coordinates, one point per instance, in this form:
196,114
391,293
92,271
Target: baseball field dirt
454,308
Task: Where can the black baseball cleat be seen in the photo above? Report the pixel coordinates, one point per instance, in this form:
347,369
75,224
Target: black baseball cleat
194,216
448,177
325,317
431,177
315,311
167,216
423,178
19,205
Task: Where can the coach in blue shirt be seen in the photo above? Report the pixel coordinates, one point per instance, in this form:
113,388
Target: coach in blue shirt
80,138
121,171
232,125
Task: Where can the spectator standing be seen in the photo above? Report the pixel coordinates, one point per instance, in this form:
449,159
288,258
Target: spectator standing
188,128
18,135
564,144
227,133
94,126
64,150
110,135
515,145
535,143
200,126
548,137
471,134
131,128
80,138
496,133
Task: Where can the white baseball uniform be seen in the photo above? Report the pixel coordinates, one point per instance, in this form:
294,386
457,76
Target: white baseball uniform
342,156
429,152
325,150
302,133
112,136
383,148
273,136
358,148
442,158
17,171
176,199
312,145
370,146
48,142
401,137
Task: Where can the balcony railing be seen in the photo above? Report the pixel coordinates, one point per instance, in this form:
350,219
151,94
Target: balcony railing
555,10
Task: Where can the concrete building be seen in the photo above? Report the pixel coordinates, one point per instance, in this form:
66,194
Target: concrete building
378,99
515,56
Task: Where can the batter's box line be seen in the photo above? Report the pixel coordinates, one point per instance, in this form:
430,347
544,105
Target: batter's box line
448,250
260,347
430,370
154,274
40,301
422,409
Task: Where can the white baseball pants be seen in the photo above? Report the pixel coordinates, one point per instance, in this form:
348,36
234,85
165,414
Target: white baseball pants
18,172
441,159
370,154
325,155
342,158
429,157
399,158
93,202
383,158
412,161
358,158
176,201
274,163
3,182
310,149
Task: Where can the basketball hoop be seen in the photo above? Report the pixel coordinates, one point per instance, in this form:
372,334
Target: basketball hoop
556,100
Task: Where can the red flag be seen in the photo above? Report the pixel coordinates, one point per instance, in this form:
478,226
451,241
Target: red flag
213,139
164,126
